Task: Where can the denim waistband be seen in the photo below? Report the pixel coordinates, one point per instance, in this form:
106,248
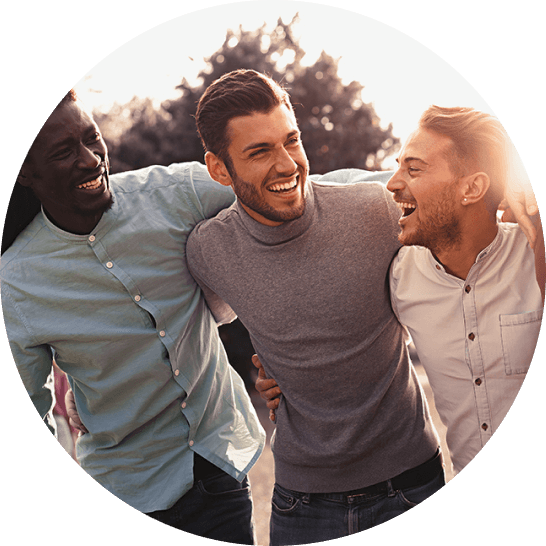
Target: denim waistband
413,477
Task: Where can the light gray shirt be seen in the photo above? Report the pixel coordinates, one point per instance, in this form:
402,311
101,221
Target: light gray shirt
474,337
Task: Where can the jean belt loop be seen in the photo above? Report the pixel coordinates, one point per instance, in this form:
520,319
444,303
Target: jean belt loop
390,489
306,498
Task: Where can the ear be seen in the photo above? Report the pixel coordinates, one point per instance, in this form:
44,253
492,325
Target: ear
217,169
25,175
474,187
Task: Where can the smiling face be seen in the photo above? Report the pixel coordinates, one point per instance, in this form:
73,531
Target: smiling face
426,190
267,165
67,169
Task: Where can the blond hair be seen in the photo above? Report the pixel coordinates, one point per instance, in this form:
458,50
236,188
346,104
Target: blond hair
479,144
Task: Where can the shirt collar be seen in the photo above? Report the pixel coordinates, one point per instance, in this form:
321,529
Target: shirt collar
493,247
103,226
487,251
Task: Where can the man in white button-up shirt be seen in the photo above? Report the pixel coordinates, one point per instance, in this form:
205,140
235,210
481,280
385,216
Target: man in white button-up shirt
464,285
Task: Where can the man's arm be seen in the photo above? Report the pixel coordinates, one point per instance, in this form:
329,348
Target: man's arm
540,263
353,176
208,197
221,311
532,227
520,206
34,361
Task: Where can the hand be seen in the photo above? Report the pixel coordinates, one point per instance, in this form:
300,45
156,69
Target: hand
73,416
519,205
268,388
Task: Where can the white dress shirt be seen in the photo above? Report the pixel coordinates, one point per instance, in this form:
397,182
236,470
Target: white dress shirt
474,337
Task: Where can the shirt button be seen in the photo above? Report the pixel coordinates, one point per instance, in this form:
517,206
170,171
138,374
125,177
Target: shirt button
191,443
91,238
484,426
109,265
162,333
183,405
438,267
177,372
137,298
478,381
468,288
471,337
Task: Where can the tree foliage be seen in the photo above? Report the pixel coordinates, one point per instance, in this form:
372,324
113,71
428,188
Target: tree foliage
338,129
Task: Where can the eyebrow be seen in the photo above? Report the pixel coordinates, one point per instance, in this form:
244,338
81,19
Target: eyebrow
254,145
69,140
57,146
408,159
62,142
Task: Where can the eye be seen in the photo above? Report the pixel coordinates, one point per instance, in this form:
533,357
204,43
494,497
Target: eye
413,170
294,140
257,153
61,154
95,137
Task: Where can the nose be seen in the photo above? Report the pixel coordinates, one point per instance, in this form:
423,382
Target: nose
285,163
396,182
88,159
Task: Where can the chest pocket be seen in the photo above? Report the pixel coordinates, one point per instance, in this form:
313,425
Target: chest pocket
519,335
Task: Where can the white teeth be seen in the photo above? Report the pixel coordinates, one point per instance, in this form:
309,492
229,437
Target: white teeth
406,205
92,184
284,187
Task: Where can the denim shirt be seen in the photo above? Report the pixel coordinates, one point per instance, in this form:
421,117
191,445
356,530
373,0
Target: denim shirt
119,312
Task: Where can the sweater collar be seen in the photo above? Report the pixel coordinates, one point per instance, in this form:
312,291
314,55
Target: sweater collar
274,235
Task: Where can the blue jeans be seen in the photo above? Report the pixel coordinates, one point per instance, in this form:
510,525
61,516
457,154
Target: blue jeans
302,518
218,507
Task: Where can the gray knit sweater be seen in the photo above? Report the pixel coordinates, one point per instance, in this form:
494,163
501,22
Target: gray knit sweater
313,295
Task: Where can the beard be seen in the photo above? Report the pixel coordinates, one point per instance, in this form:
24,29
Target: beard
440,230
249,196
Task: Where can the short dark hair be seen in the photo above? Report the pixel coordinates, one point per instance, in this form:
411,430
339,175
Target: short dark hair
237,93
71,96
23,204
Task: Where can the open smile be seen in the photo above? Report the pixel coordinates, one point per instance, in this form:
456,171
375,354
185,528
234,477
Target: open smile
284,187
406,207
94,184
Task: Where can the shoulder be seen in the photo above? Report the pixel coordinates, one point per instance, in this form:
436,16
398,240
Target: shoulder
346,185
513,244
369,184
28,244
511,233
409,260
186,186
216,228
360,195
225,223
353,176
158,176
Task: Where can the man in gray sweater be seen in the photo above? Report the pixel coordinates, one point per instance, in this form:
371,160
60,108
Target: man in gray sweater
304,265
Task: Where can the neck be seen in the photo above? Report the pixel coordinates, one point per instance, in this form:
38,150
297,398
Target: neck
76,224
476,236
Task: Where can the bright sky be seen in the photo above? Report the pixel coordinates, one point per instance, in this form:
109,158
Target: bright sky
401,77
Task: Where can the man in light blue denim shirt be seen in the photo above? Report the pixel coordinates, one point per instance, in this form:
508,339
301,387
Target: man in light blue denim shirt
98,282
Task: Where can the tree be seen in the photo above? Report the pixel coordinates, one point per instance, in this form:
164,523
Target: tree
338,129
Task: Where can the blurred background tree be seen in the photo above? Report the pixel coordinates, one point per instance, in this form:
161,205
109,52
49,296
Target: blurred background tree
338,129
